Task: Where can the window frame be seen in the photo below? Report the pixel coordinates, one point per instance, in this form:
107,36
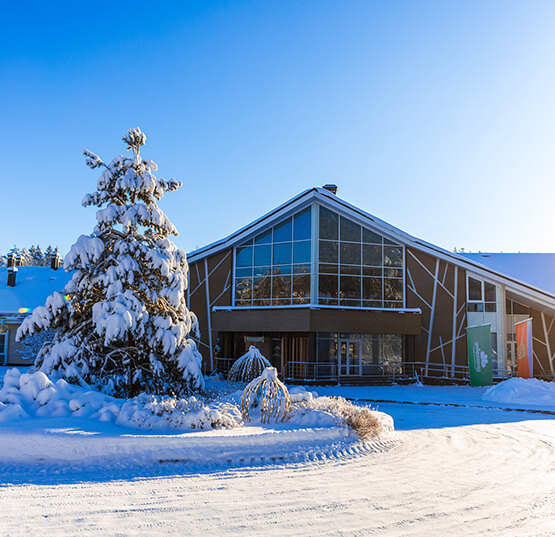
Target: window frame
314,298
482,300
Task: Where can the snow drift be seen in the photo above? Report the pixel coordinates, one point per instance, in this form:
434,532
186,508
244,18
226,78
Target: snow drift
523,391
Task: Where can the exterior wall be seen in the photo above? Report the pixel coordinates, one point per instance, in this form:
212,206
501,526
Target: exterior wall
13,356
543,333
435,286
210,284
438,288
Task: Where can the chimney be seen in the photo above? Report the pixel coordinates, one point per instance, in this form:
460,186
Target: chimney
12,271
55,260
331,188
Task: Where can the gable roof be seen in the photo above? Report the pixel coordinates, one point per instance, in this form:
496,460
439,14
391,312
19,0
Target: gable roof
33,285
322,196
536,269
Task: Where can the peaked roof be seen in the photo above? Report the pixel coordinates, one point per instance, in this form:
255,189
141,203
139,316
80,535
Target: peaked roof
33,285
332,201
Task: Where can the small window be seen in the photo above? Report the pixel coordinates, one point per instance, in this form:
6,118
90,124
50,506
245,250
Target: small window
350,231
244,257
372,255
329,224
264,238
282,253
474,289
350,254
301,252
371,237
328,286
284,232
262,255
489,290
302,226
329,252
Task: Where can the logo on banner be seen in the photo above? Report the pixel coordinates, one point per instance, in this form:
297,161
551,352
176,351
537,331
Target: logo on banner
481,359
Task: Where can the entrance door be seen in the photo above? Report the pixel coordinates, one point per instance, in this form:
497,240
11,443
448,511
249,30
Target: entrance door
349,358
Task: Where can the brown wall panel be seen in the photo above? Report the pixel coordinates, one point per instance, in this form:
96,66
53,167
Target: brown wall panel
438,288
543,333
316,320
213,275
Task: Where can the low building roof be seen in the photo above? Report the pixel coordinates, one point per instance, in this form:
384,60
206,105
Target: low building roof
536,269
33,285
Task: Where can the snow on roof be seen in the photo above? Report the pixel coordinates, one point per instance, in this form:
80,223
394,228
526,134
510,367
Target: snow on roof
536,269
32,286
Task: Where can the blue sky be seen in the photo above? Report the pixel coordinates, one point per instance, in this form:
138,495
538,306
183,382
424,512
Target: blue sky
438,117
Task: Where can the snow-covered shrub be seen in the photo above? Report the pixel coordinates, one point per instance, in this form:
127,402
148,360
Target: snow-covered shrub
269,394
122,322
249,366
34,394
364,421
155,412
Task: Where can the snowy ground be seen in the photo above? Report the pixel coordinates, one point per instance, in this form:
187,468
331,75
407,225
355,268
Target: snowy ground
453,470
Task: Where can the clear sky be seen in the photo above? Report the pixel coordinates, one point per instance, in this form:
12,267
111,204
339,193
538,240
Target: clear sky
438,117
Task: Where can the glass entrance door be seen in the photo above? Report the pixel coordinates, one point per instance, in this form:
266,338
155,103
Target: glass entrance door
349,357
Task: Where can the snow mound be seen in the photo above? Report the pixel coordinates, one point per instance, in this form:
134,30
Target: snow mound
35,395
524,391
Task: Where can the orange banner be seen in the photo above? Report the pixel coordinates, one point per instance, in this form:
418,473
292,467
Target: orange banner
524,351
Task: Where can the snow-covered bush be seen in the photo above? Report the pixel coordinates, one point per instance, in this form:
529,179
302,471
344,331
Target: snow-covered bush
364,421
249,366
122,320
155,412
269,394
34,394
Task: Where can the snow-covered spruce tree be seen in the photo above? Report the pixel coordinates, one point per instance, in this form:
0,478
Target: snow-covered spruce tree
122,323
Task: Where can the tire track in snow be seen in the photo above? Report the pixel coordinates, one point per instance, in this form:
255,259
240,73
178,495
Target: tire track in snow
495,479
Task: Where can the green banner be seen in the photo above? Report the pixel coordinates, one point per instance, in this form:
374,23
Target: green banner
479,354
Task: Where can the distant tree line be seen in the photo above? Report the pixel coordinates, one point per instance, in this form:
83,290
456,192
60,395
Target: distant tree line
33,256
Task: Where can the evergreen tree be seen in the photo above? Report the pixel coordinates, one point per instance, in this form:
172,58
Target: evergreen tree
38,257
122,322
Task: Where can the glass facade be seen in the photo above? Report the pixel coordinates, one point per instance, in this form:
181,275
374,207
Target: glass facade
357,267
354,266
273,268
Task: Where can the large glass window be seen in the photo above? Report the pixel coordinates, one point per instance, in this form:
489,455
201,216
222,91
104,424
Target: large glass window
356,266
273,268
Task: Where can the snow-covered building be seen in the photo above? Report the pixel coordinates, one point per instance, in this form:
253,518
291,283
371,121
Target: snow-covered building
330,292
21,290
